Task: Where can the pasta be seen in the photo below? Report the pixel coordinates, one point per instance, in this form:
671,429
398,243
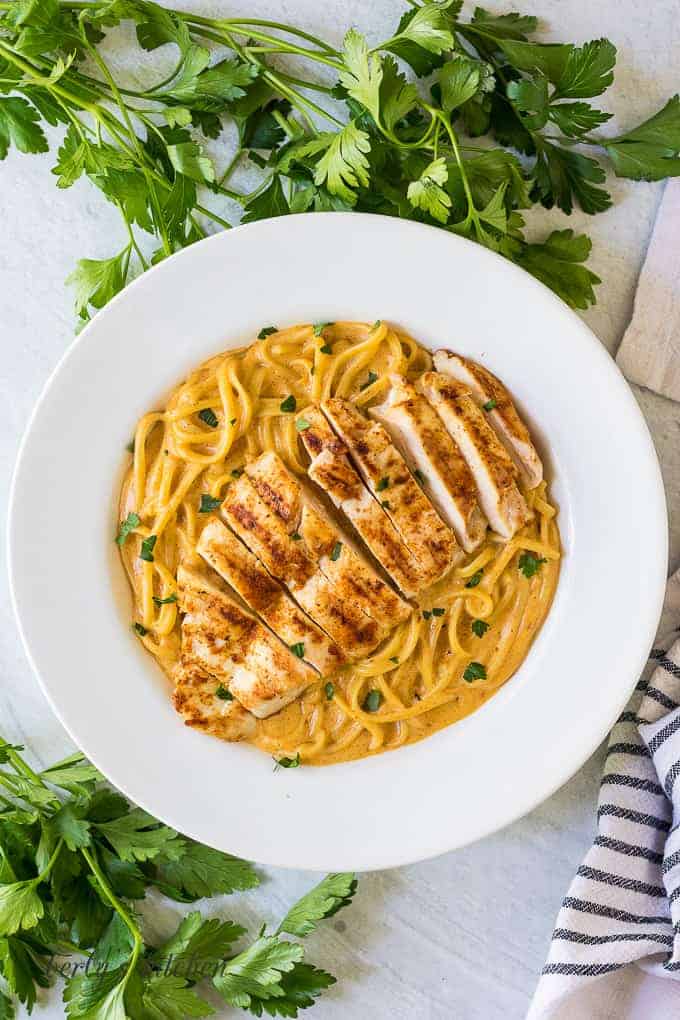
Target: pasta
228,411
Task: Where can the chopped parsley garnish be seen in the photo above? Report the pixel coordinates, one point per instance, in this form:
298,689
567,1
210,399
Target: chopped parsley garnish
267,331
298,649
530,564
329,690
474,580
326,349
382,484
167,601
394,659
130,446
208,503
438,611
490,404
319,327
146,552
209,417
236,472
419,476
289,404
427,613
287,763
385,504
131,522
337,549
372,701
232,421
140,629
296,536
376,325
372,377
474,671
302,425
224,693
479,627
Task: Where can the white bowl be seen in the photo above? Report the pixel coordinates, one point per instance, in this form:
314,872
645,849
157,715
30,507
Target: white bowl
466,781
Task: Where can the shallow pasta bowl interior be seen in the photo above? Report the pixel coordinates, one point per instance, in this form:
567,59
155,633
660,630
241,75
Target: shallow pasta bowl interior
463,782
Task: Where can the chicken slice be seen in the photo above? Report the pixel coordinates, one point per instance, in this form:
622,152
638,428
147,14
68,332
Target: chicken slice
487,458
195,699
266,535
384,470
352,578
503,416
222,639
332,471
418,431
221,550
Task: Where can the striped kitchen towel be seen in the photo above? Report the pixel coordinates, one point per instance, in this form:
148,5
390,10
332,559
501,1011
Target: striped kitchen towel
623,906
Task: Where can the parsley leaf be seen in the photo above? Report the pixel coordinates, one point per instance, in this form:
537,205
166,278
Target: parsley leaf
473,581
146,551
194,871
383,484
336,551
208,503
267,331
168,997
589,70
329,691
197,940
288,405
96,281
343,167
331,894
530,564
19,126
208,416
298,649
137,836
490,405
428,194
372,377
166,601
479,627
372,701
557,262
474,671
288,763
20,906
256,973
651,151
131,522
302,425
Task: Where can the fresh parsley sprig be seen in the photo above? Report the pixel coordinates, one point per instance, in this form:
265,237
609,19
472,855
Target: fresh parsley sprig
76,860
379,142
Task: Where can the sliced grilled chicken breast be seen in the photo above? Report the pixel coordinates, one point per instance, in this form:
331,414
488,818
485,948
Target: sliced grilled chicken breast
223,551
488,460
352,578
195,699
331,470
503,416
418,431
265,533
221,638
384,470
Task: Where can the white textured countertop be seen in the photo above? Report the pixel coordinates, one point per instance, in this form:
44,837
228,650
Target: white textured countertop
462,937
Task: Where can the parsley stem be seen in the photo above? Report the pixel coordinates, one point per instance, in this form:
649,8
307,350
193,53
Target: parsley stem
109,894
289,29
45,873
153,194
213,216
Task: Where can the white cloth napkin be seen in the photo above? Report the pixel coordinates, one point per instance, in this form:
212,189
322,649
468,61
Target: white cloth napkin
623,906
650,350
